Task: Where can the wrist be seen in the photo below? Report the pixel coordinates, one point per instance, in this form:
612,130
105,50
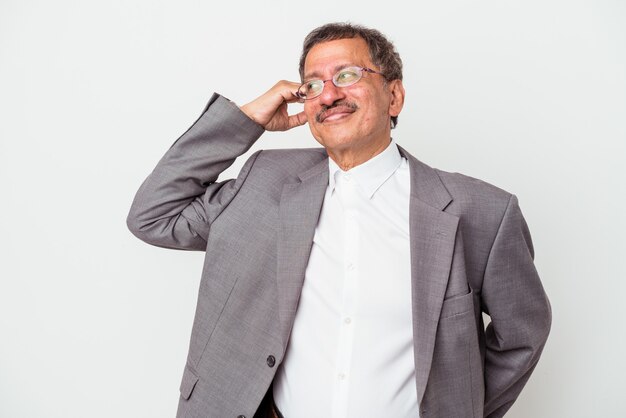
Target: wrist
250,114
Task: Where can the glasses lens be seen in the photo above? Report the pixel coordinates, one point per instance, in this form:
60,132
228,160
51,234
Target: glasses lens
311,89
347,77
344,78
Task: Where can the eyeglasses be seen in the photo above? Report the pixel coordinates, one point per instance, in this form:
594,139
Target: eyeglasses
343,78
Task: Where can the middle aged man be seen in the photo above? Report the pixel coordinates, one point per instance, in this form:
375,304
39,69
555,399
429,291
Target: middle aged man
349,286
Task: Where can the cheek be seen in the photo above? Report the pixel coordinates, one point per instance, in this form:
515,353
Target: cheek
311,106
310,111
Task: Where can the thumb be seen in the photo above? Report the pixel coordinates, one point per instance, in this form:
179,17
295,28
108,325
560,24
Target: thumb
298,119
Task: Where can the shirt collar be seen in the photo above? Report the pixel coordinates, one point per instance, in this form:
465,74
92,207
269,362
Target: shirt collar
372,174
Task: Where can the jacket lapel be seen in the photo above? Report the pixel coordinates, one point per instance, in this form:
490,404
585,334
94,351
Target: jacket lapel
432,235
300,207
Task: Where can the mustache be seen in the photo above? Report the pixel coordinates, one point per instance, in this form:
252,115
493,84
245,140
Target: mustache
319,117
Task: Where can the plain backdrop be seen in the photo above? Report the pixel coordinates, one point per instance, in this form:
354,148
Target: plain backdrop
527,95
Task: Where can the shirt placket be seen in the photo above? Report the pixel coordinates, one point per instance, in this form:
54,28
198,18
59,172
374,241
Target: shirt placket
349,199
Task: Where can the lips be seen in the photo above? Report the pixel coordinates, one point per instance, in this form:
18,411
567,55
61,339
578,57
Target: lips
336,112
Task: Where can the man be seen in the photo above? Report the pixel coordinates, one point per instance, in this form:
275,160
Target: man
347,281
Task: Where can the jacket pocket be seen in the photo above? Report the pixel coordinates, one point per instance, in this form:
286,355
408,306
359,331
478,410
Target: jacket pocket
457,305
188,383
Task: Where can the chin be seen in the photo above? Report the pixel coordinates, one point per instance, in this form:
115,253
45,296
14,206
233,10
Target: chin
338,144
335,133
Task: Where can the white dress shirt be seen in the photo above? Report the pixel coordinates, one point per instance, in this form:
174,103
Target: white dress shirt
350,354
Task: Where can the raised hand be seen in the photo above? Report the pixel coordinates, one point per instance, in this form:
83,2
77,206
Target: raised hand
270,109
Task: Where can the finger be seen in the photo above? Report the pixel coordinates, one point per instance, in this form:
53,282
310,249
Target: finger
288,90
290,96
298,119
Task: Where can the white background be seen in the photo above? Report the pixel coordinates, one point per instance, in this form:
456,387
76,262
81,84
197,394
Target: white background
528,95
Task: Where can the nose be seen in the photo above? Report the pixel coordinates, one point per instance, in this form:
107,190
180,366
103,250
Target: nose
331,93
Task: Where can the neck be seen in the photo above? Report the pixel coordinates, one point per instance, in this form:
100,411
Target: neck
351,157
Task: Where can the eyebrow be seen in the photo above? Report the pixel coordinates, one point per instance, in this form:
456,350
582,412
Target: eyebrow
315,75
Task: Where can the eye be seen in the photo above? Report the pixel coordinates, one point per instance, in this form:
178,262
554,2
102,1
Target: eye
347,76
314,86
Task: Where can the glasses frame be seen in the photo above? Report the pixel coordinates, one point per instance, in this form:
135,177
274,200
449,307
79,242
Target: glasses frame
359,71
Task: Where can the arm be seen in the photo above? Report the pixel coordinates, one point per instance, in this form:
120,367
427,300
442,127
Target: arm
520,313
176,204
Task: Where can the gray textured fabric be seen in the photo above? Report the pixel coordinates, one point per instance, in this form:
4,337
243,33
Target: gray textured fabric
470,252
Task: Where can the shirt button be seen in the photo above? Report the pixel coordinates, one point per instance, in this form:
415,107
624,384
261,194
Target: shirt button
341,376
271,361
347,321
241,416
350,266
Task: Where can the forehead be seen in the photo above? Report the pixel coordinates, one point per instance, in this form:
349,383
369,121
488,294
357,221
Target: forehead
328,56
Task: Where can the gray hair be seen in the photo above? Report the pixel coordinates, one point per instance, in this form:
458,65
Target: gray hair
382,52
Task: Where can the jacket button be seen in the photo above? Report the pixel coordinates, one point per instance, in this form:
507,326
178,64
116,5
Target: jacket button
271,361
241,416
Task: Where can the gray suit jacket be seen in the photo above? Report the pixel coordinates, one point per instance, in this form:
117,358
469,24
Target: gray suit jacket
471,252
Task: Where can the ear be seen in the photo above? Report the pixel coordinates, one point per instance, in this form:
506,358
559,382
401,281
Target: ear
396,89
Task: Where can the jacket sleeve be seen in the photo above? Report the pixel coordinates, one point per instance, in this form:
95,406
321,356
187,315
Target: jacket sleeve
519,309
175,205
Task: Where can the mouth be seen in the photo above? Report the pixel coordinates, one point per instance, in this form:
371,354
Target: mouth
336,112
